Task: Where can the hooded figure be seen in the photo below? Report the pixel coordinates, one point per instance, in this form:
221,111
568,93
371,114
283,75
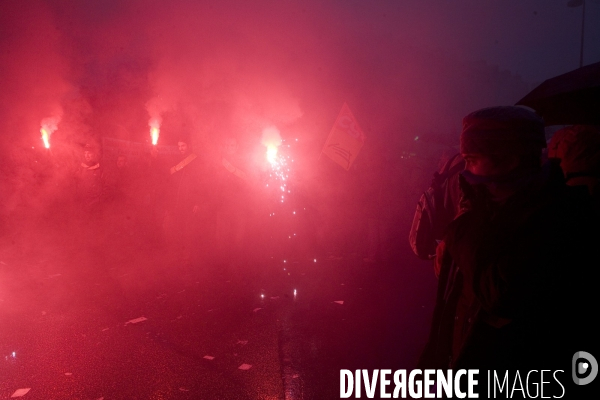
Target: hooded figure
90,179
514,259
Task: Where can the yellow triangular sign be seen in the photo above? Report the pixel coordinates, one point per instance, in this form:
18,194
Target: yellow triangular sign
345,139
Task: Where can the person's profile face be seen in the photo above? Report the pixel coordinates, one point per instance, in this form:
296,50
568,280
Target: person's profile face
183,147
88,156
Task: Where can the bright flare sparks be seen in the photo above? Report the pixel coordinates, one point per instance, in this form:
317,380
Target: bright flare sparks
272,154
48,126
45,137
154,134
272,140
279,168
154,131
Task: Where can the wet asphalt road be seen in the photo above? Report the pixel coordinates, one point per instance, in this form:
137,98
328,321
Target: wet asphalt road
71,323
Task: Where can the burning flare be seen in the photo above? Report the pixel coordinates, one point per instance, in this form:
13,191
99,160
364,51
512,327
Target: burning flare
272,140
45,137
272,154
156,106
49,125
279,167
154,130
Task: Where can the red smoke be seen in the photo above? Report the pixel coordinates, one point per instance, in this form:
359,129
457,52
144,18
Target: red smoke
231,68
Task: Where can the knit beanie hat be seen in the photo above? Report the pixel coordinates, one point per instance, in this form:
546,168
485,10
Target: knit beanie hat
501,130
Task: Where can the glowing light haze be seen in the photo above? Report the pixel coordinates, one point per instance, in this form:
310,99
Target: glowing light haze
49,125
233,66
125,69
271,139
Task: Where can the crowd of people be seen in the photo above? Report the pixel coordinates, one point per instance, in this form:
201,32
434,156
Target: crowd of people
515,284
213,205
197,205
517,223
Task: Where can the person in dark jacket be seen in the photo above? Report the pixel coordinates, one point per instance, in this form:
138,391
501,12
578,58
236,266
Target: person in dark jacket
577,147
152,196
90,180
184,197
514,260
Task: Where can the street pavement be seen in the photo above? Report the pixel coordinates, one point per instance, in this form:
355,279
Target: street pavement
90,317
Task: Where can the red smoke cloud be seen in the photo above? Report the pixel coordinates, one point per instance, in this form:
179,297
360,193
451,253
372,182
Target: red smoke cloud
237,67
211,69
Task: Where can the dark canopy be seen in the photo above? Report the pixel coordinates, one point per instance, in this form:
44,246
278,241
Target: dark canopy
570,98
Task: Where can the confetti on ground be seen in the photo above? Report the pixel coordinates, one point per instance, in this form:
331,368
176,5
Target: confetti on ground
105,329
68,373
245,367
295,376
20,392
184,389
209,357
339,301
242,342
136,320
256,309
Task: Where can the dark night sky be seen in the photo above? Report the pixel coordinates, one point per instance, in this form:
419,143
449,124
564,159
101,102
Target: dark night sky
405,68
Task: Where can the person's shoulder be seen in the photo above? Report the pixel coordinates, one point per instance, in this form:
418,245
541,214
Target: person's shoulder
576,204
